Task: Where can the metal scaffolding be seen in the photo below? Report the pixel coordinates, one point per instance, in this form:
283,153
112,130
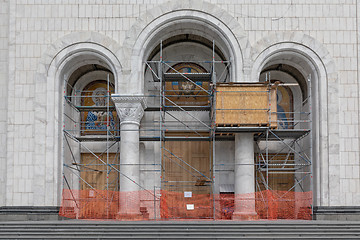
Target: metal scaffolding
171,125
279,151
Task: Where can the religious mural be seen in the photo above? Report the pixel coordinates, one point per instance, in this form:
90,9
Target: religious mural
95,121
285,116
185,92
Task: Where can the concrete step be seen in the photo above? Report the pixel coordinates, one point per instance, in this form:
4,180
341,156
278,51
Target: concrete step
171,228
86,223
174,228
75,229
181,236
169,231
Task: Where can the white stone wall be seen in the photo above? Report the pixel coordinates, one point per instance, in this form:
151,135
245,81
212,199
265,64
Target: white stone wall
332,23
356,196
36,24
4,34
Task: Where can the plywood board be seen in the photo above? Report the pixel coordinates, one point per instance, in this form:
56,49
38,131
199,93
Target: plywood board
193,155
94,172
278,181
93,200
179,177
281,183
245,104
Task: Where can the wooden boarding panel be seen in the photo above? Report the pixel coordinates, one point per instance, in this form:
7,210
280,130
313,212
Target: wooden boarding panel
94,174
182,173
278,181
179,177
93,171
245,104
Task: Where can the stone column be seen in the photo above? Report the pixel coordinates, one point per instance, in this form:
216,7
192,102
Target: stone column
130,111
244,177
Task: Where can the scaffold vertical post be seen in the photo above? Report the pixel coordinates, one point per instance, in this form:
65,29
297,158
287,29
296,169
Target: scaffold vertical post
63,142
311,143
161,115
212,130
107,145
267,146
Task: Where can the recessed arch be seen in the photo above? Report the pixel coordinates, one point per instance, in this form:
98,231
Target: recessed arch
183,17
294,75
58,63
187,38
309,57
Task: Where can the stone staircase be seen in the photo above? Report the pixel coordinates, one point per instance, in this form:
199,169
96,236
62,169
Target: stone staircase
77,229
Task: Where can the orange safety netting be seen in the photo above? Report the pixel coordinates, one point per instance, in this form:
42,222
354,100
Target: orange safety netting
162,204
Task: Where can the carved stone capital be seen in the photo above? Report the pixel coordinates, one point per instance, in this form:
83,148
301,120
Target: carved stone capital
130,109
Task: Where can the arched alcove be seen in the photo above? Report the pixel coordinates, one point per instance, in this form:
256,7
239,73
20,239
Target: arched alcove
63,60
88,119
301,59
187,18
183,38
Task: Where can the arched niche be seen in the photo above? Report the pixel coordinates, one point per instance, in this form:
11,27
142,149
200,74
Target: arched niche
57,66
197,18
312,62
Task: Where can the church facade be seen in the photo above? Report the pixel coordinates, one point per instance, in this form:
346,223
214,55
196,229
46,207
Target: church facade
180,109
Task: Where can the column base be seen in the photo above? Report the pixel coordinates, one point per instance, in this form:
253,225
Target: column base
245,216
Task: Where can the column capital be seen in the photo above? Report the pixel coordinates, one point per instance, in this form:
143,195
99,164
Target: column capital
130,109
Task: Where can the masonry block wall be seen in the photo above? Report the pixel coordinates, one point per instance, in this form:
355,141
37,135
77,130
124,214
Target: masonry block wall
29,27
4,66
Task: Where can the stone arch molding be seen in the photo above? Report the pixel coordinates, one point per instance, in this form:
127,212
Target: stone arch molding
65,53
97,39
172,12
325,100
296,42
